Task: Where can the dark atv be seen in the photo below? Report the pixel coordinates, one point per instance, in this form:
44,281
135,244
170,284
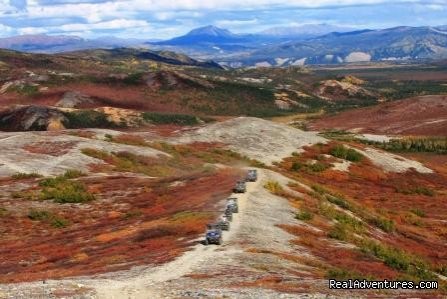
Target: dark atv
229,214
213,235
232,204
240,187
223,223
252,175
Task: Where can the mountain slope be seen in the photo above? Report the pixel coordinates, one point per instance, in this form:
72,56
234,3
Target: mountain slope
304,31
207,34
167,57
399,43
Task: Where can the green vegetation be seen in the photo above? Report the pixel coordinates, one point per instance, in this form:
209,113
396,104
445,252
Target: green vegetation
319,166
396,90
436,145
274,187
73,174
177,119
420,190
3,212
22,176
134,79
48,217
87,119
339,232
342,203
313,167
63,190
342,152
339,135
296,166
320,190
387,225
398,259
418,212
304,215
345,227
25,90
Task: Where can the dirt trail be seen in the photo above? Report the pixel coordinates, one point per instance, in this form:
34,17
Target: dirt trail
141,287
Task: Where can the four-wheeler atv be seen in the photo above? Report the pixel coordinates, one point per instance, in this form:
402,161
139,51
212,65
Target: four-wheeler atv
232,204
213,235
240,187
229,214
252,175
223,223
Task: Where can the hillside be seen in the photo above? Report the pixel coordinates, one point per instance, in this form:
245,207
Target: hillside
140,201
420,116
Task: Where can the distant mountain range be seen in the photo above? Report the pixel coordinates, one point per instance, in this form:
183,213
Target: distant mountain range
311,44
304,31
279,46
62,43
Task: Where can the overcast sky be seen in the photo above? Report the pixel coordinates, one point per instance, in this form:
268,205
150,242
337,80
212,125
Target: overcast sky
151,19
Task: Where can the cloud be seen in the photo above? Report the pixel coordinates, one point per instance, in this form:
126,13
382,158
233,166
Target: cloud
236,23
108,25
32,30
159,18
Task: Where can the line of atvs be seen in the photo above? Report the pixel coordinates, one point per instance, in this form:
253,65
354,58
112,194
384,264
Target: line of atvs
214,231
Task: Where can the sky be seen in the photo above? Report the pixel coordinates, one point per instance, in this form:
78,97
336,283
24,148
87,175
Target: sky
161,19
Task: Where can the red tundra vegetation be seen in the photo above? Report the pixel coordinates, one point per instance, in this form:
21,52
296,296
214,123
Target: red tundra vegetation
133,221
371,223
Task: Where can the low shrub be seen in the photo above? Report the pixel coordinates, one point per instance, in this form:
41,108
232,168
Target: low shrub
398,259
296,166
429,145
319,166
177,119
304,215
133,79
274,187
387,225
22,175
419,190
339,232
342,203
62,190
342,152
319,189
26,89
48,217
87,119
418,212
353,224
73,174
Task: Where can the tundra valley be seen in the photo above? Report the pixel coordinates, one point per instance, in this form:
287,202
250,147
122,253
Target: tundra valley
222,165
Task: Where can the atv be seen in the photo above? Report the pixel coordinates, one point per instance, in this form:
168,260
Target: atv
240,187
252,175
223,223
232,204
229,214
213,235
